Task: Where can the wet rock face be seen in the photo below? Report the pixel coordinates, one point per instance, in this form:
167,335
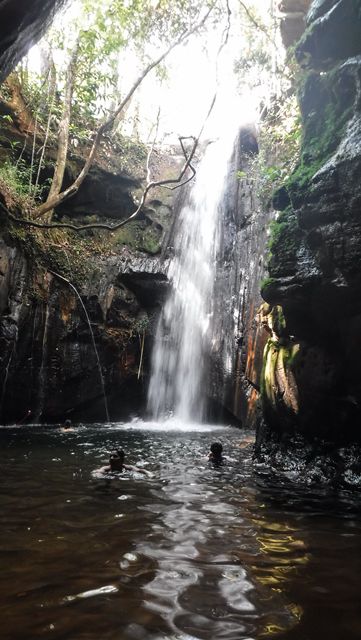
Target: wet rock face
315,269
47,362
238,336
22,24
333,34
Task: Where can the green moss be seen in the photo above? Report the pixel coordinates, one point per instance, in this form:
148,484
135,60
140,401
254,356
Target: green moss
329,101
284,239
278,320
136,235
268,288
289,356
267,282
151,241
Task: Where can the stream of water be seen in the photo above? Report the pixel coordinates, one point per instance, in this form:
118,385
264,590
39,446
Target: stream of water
191,552
179,362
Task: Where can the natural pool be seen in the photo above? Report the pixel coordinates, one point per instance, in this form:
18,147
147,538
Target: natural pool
192,552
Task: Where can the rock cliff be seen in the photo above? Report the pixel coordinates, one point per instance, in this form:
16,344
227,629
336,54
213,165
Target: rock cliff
312,369
238,334
48,363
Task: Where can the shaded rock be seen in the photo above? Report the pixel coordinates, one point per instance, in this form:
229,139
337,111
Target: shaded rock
315,269
48,364
22,25
333,34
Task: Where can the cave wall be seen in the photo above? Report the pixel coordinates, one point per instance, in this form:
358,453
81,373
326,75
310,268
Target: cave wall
312,368
22,23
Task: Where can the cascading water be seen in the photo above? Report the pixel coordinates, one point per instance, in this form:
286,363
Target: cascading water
177,383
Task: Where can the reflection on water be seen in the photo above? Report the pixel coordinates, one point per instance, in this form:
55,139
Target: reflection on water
191,552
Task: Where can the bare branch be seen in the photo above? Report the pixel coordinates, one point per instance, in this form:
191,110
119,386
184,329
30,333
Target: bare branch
108,227
255,22
150,185
100,225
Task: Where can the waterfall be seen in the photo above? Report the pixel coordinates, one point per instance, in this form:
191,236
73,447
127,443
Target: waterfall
179,359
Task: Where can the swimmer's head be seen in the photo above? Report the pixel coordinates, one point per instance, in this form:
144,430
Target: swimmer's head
67,424
216,449
116,460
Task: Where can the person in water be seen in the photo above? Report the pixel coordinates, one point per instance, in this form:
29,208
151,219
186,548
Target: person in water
117,465
67,426
215,454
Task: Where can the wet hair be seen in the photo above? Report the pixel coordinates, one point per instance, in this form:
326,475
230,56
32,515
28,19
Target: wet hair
116,460
216,449
120,453
67,423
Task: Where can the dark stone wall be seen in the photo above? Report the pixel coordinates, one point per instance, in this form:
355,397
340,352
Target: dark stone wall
47,361
312,370
22,23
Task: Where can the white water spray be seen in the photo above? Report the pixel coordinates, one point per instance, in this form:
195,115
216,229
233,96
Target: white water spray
182,340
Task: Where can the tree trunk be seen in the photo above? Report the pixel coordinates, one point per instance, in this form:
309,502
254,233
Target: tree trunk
63,134
17,107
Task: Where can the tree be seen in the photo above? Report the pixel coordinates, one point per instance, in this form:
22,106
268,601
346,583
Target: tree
86,83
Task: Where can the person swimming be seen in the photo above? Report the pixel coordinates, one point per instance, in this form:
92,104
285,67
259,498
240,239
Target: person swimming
215,454
67,426
117,465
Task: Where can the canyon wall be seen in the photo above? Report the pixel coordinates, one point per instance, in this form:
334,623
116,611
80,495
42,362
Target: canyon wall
312,368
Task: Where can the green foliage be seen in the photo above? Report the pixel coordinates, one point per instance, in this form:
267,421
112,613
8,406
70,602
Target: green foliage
16,177
104,33
254,67
279,148
280,140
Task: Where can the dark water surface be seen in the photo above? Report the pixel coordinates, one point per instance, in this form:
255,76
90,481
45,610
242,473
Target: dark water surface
191,552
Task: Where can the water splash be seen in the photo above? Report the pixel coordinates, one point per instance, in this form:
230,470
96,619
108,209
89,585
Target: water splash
177,382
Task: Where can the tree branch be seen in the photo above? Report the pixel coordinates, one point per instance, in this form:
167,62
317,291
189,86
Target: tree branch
150,185
255,22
